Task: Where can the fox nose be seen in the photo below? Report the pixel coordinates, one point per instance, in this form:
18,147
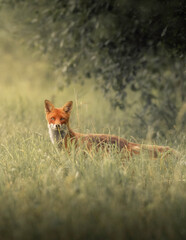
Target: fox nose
57,126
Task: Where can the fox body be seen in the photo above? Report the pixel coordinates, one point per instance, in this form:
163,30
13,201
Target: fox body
61,133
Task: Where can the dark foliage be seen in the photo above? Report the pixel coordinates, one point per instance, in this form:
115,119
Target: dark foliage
124,44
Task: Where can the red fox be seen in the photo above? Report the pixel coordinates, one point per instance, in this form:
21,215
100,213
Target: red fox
61,133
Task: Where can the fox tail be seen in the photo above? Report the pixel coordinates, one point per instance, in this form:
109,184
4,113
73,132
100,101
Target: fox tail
154,150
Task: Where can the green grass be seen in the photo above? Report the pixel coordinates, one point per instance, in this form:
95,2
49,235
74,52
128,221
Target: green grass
47,194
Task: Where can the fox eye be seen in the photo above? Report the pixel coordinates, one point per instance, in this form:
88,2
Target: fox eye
61,119
53,118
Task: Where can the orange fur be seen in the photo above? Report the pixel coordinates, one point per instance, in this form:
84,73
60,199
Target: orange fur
60,117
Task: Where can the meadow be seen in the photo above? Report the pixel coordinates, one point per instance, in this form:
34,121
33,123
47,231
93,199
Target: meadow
47,194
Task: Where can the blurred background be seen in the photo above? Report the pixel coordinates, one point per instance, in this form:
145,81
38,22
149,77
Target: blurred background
122,63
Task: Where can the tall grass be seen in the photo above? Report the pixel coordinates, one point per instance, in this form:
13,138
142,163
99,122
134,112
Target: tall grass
47,194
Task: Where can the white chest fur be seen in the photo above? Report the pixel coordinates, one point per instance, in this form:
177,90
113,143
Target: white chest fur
56,136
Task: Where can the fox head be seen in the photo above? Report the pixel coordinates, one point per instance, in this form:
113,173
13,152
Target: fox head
58,118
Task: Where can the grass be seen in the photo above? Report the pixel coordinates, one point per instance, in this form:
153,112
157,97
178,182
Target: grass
50,195
47,194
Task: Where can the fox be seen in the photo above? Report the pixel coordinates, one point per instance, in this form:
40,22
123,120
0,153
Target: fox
61,134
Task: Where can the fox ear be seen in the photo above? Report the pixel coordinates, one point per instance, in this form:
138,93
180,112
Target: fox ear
68,107
48,106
